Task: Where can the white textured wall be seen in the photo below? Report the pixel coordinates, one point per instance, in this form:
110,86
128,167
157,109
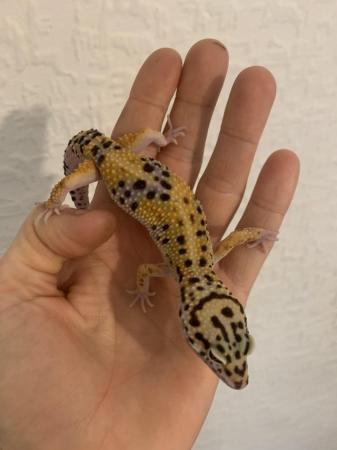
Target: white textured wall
68,65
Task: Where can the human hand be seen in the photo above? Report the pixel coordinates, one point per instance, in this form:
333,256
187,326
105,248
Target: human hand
79,368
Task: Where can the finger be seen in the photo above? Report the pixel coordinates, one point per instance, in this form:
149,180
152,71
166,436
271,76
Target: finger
266,208
201,81
224,180
40,249
149,99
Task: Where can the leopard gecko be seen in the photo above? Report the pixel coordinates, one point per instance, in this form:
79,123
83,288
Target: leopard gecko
213,320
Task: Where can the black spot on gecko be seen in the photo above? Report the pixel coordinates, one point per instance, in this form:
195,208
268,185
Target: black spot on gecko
181,239
203,248
194,280
182,251
227,312
121,200
202,262
200,233
134,206
100,159
166,173
216,322
188,263
199,209
148,167
121,183
237,354
165,227
228,372
139,184
127,194
165,241
117,147
165,197
192,218
186,201
165,184
106,144
150,195
194,321
94,150
236,335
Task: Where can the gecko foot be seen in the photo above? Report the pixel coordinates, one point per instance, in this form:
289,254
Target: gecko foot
143,297
172,133
266,235
48,212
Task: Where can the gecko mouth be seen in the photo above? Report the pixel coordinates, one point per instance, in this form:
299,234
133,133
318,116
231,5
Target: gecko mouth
220,363
233,384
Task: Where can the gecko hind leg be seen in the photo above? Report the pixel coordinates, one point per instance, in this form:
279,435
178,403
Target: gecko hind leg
83,175
252,237
142,292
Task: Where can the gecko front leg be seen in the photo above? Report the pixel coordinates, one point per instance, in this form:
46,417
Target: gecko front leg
138,142
144,273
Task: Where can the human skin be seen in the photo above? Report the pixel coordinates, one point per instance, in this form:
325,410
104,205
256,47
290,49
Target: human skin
80,370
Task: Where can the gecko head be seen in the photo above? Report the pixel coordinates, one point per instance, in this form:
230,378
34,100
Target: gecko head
230,366
216,329
227,360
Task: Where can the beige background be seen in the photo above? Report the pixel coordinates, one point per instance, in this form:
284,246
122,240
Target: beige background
68,65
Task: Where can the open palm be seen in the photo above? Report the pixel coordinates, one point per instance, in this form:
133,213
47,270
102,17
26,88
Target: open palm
79,368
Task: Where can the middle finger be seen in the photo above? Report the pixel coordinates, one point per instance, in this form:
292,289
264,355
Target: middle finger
224,180
201,81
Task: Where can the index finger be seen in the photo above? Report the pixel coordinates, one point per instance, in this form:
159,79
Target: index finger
148,101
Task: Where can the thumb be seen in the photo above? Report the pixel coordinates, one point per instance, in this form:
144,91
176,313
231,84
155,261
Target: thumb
42,248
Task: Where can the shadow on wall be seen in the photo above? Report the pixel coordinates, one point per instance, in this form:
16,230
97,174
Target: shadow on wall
23,137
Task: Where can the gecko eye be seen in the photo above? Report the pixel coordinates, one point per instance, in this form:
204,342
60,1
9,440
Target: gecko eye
216,356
